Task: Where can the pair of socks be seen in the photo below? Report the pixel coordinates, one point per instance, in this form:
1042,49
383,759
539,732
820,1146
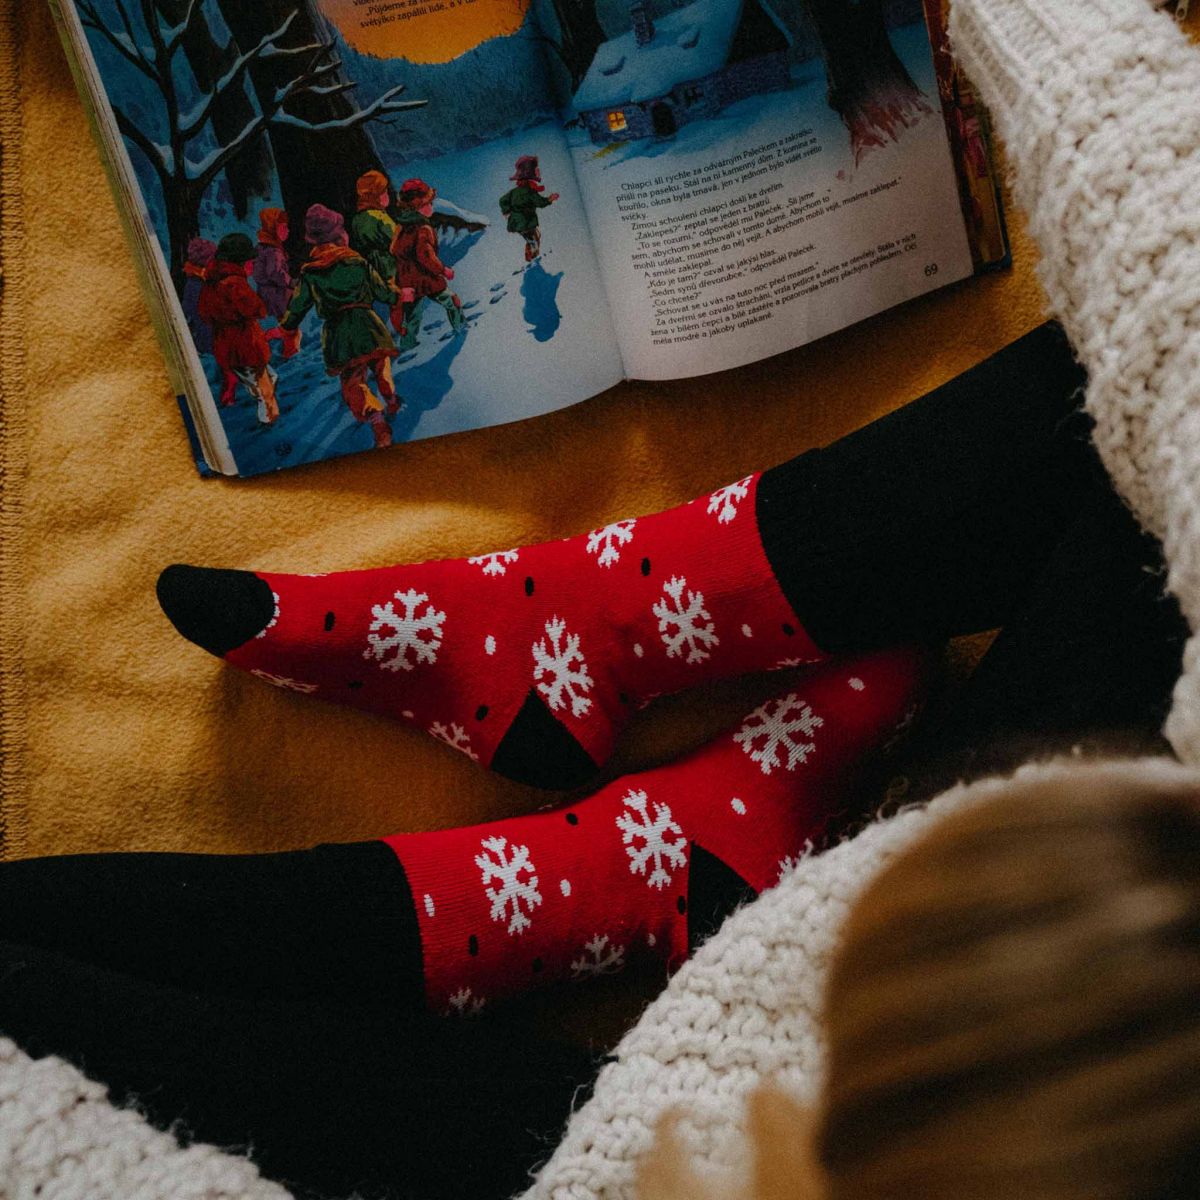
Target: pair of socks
530,660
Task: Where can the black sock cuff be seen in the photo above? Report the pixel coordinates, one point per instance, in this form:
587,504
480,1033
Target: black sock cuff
926,523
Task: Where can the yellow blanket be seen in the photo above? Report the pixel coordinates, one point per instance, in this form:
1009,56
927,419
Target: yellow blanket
119,735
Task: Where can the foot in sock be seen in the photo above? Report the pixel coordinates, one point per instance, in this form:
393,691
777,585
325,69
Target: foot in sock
528,660
926,524
653,862
644,869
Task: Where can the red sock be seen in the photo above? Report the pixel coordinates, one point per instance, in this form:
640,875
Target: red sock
529,660
584,889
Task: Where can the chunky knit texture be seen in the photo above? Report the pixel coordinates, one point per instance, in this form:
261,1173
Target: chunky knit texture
746,1009
61,1138
1096,101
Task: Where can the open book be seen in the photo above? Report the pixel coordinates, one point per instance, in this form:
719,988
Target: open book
361,222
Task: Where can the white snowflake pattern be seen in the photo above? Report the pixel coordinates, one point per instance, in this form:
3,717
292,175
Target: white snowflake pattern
413,638
784,663
779,725
282,681
662,841
685,624
724,502
455,736
496,563
464,1003
513,894
563,661
598,957
607,542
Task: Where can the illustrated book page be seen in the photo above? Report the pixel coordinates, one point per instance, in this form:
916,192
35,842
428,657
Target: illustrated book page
357,223
757,173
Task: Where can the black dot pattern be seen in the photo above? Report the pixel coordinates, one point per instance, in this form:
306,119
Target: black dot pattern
472,945
645,566
537,966
681,904
330,621
572,819
355,683
481,712
529,585
790,630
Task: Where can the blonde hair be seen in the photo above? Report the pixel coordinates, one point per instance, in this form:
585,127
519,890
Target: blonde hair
1013,1012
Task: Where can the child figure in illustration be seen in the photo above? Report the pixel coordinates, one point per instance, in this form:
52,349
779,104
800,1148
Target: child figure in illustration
371,228
272,273
233,309
200,253
420,273
520,205
343,287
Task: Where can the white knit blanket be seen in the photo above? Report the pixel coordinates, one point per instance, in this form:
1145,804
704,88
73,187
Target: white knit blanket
1098,103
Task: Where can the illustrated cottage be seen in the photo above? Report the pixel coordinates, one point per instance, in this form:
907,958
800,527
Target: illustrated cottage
681,67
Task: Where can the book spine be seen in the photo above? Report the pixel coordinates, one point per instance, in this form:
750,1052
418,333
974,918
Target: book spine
969,130
135,224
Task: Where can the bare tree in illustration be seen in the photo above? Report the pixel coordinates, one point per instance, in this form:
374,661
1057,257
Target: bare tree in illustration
249,174
869,87
321,153
306,70
578,37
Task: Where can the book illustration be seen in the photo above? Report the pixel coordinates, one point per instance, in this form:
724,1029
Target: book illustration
315,205
521,203
678,64
360,224
688,64
737,157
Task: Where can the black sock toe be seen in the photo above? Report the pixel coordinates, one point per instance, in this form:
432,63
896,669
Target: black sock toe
537,750
218,610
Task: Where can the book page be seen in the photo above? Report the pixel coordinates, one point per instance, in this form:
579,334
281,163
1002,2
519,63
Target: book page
322,183
757,173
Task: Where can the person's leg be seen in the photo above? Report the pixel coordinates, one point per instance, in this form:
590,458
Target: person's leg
381,370
452,919
269,413
928,523
452,307
364,404
229,382
1085,664
331,1100
408,329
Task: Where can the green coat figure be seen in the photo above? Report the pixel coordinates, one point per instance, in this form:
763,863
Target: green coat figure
521,204
371,233
343,287
371,229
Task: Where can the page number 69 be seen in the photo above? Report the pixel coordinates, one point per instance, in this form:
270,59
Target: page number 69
931,269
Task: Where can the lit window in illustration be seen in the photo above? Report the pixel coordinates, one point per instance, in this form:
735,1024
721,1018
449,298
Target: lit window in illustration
616,121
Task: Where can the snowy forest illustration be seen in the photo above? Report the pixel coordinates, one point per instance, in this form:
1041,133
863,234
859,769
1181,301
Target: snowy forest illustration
229,109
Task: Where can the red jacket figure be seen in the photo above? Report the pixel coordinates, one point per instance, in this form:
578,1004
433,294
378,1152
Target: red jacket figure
233,308
420,273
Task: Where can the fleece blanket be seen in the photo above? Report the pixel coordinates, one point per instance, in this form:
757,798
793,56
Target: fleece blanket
117,735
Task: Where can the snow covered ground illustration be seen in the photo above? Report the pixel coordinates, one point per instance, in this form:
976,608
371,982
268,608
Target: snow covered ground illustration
538,337
762,117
